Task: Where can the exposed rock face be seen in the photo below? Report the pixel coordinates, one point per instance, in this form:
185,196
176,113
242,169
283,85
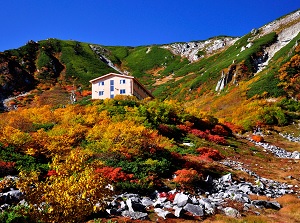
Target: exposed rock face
196,50
226,78
13,77
101,53
287,28
263,186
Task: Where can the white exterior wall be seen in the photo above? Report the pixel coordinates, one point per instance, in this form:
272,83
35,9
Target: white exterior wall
106,88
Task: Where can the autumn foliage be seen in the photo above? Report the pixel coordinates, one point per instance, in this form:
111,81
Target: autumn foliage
257,138
114,174
186,177
209,154
71,154
69,195
289,74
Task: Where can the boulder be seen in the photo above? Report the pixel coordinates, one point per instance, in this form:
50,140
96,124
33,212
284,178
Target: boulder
226,178
246,188
162,213
135,215
196,210
178,211
134,205
295,155
267,204
232,212
146,201
209,207
181,199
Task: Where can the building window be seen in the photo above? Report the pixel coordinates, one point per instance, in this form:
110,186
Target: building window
112,95
123,81
122,91
101,83
112,86
101,93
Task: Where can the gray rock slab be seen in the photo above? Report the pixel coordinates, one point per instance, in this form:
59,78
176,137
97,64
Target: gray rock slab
196,210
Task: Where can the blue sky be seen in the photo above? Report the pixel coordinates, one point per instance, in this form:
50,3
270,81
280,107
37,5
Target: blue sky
134,22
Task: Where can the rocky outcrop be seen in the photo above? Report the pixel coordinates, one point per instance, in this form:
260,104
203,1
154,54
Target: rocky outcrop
263,186
194,51
226,78
13,78
290,137
287,28
101,53
277,151
181,204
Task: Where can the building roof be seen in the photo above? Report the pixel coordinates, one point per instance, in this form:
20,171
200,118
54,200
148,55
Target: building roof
111,74
123,76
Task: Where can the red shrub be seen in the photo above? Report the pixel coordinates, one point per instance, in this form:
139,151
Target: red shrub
184,128
85,93
199,133
114,174
220,130
169,196
234,128
217,139
192,162
209,154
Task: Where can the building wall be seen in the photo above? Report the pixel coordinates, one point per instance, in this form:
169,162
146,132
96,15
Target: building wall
139,91
111,86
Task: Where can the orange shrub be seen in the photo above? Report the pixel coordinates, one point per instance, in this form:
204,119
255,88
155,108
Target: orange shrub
186,176
257,138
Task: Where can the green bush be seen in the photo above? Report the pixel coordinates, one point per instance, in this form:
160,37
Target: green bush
274,116
13,215
23,162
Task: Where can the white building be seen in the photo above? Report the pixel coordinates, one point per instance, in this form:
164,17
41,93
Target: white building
112,84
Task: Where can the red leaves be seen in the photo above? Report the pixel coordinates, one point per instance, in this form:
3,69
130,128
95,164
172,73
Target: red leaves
114,174
51,173
217,139
169,196
209,154
220,130
199,133
207,134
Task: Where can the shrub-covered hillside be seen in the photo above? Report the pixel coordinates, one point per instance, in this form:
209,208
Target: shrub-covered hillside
134,145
